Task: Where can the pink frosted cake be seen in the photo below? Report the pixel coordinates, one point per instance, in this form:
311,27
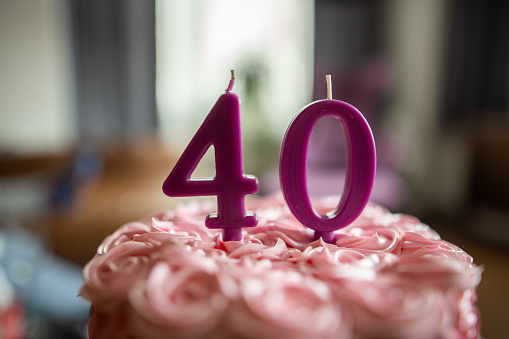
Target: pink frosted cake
386,276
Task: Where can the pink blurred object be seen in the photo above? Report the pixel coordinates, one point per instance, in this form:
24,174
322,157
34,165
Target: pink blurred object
12,319
12,322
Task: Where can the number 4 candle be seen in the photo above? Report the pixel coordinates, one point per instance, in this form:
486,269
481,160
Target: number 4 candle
360,165
222,130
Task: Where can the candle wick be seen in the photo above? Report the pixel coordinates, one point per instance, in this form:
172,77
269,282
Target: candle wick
329,86
232,82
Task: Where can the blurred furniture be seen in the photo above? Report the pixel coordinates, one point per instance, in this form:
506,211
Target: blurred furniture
127,189
489,181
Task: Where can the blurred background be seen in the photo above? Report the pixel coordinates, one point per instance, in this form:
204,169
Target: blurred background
98,99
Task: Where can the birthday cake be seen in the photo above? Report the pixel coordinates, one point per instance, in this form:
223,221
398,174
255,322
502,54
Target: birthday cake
384,276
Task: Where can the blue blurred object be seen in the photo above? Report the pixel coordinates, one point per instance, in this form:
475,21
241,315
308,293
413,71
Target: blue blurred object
45,284
87,164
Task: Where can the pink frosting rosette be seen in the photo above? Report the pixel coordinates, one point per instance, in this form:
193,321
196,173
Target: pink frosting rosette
417,245
283,304
373,238
238,250
124,234
393,308
110,276
469,324
159,238
462,319
275,221
331,264
409,223
438,261
183,293
376,215
184,227
296,236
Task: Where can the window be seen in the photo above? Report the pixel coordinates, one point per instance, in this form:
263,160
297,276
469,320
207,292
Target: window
268,43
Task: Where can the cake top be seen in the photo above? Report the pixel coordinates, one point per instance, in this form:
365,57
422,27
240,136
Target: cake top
385,275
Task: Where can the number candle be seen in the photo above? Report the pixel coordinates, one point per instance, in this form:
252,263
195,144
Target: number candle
360,169
222,130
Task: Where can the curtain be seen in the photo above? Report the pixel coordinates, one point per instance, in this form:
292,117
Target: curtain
114,54
477,68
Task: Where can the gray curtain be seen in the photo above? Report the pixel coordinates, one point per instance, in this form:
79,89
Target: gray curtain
114,53
477,65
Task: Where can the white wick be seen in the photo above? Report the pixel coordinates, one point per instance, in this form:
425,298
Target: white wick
329,87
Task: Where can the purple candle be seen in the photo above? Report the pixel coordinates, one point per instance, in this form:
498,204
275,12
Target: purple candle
222,130
360,160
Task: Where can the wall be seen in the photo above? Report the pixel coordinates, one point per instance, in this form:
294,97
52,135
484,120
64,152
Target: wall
36,93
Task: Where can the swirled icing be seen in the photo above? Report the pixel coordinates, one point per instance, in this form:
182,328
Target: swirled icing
386,276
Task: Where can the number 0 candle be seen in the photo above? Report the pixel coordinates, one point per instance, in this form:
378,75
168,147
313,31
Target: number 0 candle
360,168
222,130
